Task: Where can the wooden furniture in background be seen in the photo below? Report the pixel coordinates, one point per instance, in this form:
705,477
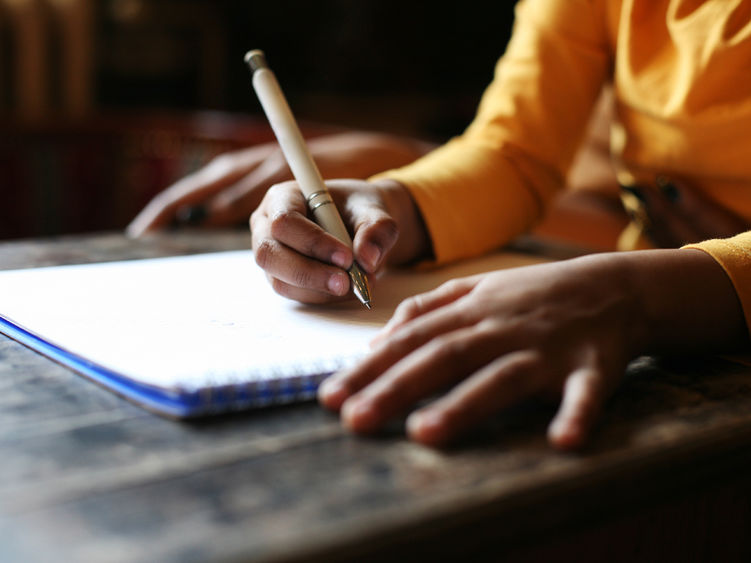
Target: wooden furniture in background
63,177
72,58
47,60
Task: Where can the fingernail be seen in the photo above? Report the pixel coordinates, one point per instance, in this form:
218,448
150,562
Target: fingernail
668,188
418,421
341,259
556,428
338,283
636,192
359,415
332,393
564,435
426,426
371,255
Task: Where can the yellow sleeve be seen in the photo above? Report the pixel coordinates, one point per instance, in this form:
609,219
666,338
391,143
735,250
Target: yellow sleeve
493,182
734,255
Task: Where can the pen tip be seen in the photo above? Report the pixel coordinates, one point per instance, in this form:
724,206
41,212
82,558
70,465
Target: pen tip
367,304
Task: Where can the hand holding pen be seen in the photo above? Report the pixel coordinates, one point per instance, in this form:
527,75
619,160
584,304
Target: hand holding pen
315,261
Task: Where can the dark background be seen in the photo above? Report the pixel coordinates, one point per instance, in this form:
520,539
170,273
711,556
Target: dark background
421,56
164,88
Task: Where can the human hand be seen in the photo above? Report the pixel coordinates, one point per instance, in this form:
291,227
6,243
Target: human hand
566,329
497,339
305,263
673,213
231,186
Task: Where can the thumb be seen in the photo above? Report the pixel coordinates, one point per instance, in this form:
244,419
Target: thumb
375,230
375,236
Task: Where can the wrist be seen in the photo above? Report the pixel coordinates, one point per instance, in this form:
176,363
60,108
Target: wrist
607,290
662,301
686,302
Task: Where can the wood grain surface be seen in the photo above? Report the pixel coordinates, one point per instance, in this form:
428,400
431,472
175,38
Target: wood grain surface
87,476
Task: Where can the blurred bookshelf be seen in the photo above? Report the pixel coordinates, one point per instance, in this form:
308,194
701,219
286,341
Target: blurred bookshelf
87,86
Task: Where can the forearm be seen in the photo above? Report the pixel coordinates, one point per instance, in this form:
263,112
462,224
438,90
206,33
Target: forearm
360,154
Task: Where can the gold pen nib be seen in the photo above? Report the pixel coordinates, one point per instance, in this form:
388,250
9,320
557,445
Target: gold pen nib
360,284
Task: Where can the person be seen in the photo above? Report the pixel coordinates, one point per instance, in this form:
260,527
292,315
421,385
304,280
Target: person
682,104
587,214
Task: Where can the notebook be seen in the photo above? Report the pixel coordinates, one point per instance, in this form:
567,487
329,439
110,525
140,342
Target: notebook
195,335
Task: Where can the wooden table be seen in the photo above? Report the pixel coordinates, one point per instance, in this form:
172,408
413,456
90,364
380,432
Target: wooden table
87,476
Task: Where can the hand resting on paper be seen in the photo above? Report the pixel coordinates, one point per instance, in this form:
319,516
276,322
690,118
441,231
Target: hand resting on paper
565,329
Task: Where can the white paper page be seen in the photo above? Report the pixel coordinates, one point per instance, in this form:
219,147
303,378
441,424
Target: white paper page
207,319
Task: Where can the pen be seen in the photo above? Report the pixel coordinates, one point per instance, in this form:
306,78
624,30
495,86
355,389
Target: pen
301,163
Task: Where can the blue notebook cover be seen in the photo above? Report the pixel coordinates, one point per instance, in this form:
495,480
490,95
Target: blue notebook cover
183,336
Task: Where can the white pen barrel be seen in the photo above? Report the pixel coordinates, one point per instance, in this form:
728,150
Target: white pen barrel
296,153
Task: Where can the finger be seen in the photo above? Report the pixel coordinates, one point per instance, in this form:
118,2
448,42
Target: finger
375,229
194,189
161,211
339,387
441,362
311,296
584,394
284,219
286,267
235,203
504,382
423,303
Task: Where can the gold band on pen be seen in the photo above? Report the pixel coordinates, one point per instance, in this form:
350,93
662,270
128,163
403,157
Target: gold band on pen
324,199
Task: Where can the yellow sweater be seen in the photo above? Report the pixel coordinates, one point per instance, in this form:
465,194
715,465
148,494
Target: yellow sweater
681,71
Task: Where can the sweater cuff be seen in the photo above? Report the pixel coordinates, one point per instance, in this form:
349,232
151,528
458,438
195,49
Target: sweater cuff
734,255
